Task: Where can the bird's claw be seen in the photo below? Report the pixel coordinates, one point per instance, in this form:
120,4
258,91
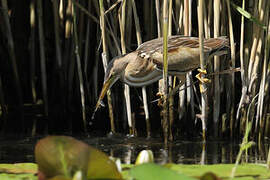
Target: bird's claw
202,79
161,99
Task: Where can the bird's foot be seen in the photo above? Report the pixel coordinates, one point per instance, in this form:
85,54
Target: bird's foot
161,99
201,77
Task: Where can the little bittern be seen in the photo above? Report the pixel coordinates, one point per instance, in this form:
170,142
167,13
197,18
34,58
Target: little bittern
144,65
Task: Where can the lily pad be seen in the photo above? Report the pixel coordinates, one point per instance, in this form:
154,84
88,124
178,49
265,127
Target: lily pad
18,171
155,172
61,157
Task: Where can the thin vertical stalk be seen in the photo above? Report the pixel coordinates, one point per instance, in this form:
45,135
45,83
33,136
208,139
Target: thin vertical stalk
32,49
11,52
189,81
86,58
244,70
86,47
105,61
139,41
79,68
158,17
231,112
257,63
3,109
262,89
171,97
206,25
180,20
202,66
186,27
69,63
59,63
122,19
56,32
42,56
165,71
61,12
187,17
216,105
256,34
268,160
32,59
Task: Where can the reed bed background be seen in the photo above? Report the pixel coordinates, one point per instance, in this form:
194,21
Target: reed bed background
54,54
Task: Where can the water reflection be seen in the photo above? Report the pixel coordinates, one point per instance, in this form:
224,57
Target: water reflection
127,149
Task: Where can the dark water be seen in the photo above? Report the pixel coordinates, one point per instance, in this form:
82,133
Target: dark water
185,152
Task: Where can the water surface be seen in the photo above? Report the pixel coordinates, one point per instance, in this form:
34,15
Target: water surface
14,150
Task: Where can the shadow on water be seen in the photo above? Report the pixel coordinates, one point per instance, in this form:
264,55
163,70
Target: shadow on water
127,149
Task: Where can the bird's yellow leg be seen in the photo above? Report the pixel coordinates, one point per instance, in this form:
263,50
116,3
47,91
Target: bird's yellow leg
202,79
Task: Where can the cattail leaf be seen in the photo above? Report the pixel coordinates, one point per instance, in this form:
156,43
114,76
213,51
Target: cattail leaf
248,15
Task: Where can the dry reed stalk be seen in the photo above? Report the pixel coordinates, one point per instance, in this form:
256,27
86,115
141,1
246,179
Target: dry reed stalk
260,117
95,19
216,105
257,62
61,12
202,66
180,6
158,17
68,56
79,68
189,81
129,23
105,62
113,29
86,46
257,34
81,28
209,14
139,41
244,69
32,50
230,115
206,25
42,56
185,28
165,72
32,59
171,97
159,30
94,83
122,21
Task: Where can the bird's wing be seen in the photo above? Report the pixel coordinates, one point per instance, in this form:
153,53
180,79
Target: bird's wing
183,51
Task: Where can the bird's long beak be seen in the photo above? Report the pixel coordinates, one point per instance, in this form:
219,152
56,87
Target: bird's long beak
106,86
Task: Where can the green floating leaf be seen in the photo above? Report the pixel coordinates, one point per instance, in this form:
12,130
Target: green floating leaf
100,166
60,157
155,172
18,168
209,176
248,15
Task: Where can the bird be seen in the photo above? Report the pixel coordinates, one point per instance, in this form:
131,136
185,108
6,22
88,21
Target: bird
144,66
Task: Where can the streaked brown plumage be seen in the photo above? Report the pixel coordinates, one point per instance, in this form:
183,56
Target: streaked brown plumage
144,65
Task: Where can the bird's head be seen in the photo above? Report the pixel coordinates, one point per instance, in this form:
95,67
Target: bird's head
113,72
